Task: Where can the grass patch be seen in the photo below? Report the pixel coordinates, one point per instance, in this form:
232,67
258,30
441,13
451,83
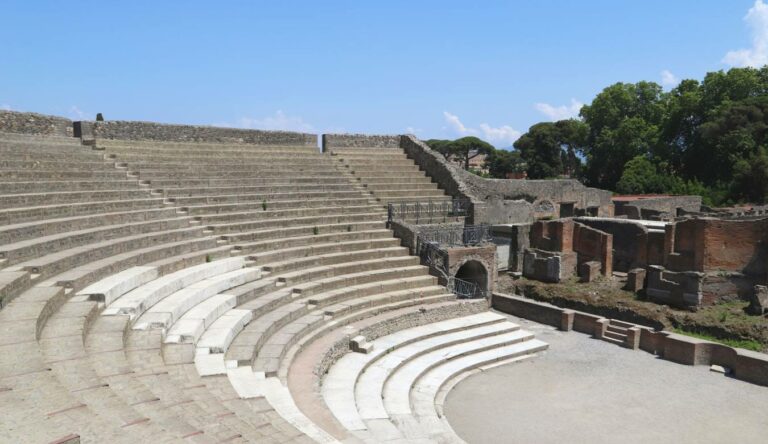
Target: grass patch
748,344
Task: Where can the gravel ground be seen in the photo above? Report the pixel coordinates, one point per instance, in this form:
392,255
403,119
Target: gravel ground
587,391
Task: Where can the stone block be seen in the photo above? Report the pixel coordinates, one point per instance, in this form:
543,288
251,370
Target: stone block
589,271
566,320
635,279
759,302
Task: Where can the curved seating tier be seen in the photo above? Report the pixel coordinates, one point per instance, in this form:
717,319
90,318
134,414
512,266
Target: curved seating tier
163,290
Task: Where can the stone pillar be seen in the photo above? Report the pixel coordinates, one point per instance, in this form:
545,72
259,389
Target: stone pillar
601,326
633,338
566,320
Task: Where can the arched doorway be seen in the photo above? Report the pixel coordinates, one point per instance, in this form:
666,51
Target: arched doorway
474,272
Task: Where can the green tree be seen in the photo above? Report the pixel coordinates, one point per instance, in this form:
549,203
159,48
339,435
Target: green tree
467,148
750,181
441,146
501,162
551,149
624,121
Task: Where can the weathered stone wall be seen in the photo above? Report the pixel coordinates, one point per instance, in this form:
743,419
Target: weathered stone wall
35,124
507,201
133,130
511,242
485,255
678,289
331,141
669,205
745,364
705,244
630,242
566,236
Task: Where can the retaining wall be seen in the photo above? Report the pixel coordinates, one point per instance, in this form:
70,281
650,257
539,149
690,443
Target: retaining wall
35,124
134,130
745,364
331,141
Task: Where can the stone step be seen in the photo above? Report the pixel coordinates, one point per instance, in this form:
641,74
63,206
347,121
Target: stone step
400,186
23,250
162,156
22,153
225,164
244,196
93,164
274,310
135,302
621,324
77,278
277,190
184,183
357,266
332,258
286,231
426,389
367,152
8,201
54,263
246,174
370,384
620,337
166,311
411,195
112,287
366,212
46,227
321,248
382,179
301,221
339,393
36,213
275,349
250,384
267,206
59,186
8,175
191,326
397,388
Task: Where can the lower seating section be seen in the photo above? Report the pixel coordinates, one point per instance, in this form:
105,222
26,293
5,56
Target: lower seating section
167,291
390,393
389,175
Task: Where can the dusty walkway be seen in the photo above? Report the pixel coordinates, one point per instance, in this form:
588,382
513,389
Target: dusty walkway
588,391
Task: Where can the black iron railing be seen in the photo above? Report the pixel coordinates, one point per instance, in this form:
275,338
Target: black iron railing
467,236
465,289
432,244
428,212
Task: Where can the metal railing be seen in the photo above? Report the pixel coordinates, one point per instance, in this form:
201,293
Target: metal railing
469,235
465,289
428,212
432,244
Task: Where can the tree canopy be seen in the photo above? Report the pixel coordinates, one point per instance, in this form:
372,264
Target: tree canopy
709,137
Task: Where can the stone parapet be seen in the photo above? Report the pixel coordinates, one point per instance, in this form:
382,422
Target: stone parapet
35,124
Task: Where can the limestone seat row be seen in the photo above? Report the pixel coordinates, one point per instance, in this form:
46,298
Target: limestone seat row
390,393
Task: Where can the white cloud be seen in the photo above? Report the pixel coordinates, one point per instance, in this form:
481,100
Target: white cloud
5,107
757,55
504,135
412,130
279,121
669,79
559,112
77,113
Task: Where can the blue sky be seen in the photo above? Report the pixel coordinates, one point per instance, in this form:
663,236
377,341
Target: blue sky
439,69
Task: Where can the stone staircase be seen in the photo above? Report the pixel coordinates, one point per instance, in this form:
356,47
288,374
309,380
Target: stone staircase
388,174
165,291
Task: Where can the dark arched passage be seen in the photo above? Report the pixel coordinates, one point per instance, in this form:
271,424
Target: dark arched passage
474,272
